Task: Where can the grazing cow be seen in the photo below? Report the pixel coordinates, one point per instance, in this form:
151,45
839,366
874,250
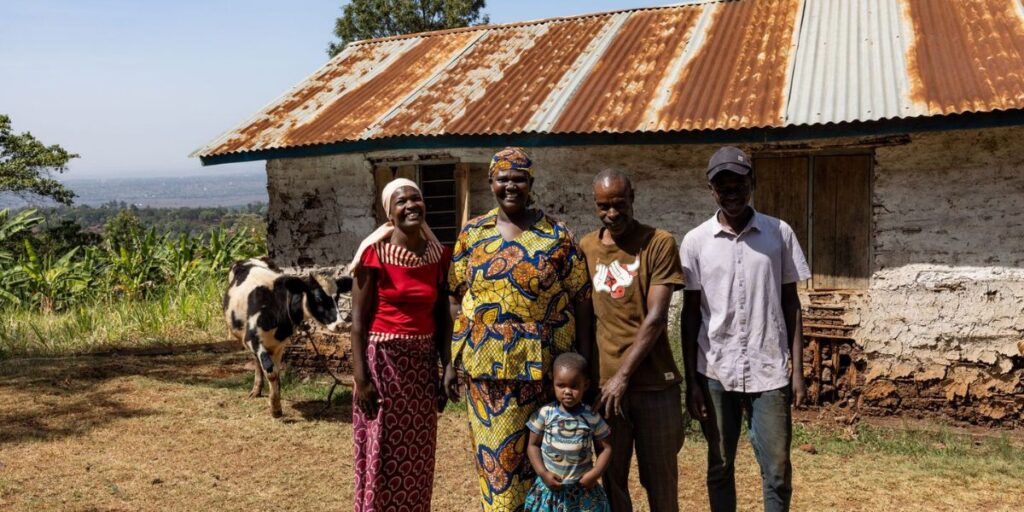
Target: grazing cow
264,307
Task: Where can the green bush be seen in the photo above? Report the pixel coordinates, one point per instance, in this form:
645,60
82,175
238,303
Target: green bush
135,286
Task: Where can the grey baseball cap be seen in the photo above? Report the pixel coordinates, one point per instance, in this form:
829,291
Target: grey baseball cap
731,159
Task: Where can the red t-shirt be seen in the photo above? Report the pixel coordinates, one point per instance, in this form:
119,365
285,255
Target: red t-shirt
407,286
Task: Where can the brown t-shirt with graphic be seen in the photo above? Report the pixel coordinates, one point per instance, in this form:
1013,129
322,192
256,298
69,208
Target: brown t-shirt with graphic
621,275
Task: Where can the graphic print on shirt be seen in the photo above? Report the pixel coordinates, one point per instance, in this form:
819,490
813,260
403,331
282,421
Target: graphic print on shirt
615,278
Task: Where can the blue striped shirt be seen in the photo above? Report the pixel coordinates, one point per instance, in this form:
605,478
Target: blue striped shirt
568,444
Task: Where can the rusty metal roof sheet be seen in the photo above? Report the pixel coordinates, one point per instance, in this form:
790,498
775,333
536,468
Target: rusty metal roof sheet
705,65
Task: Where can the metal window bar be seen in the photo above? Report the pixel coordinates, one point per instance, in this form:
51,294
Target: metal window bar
446,223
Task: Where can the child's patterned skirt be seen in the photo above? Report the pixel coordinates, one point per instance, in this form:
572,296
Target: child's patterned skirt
570,498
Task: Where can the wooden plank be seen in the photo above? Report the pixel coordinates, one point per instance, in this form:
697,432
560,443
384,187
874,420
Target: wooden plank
815,387
835,371
462,192
781,191
410,172
824,184
841,221
381,176
853,219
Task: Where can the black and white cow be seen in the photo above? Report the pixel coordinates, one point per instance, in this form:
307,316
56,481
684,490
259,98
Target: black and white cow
264,307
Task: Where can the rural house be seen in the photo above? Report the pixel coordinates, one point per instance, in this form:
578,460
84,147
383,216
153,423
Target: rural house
888,133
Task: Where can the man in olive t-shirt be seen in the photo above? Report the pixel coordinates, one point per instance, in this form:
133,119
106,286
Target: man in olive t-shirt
634,269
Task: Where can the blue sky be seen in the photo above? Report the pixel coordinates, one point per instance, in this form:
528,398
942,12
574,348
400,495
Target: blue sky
134,86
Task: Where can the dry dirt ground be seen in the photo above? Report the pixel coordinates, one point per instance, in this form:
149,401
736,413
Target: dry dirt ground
177,433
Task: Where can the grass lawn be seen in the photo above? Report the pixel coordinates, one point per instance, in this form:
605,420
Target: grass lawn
177,433
169,317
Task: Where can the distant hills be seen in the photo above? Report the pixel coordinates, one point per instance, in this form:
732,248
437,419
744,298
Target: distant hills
227,190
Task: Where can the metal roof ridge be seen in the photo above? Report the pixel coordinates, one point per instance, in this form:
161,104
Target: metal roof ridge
541,21
794,53
378,124
551,109
694,40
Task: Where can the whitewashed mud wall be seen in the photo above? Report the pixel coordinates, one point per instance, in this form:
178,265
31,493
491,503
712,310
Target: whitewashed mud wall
320,208
941,326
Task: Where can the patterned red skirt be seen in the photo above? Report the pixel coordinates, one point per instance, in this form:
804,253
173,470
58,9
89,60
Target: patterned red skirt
394,452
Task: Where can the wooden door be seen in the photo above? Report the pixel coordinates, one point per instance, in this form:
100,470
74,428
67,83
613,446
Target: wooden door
841,222
781,191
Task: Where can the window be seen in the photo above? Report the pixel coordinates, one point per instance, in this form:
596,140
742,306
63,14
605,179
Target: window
445,192
827,201
439,192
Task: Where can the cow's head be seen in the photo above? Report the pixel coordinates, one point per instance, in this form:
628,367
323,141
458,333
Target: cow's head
318,301
343,284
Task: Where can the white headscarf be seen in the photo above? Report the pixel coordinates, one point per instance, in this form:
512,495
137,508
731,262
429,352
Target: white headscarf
384,231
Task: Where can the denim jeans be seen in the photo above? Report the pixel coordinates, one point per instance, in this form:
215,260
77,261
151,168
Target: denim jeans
770,430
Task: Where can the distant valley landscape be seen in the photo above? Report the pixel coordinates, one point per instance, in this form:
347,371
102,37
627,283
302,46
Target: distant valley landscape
227,190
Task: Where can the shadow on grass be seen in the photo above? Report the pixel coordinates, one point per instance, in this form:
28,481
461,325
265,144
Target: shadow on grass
47,399
340,410
81,373
59,415
61,397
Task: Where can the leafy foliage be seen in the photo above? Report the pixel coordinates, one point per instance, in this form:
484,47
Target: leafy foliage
129,263
122,229
26,165
367,19
52,282
12,228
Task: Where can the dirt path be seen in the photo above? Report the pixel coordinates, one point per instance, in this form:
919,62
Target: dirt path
176,433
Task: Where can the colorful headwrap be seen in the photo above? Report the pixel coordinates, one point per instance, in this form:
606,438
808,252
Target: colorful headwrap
511,158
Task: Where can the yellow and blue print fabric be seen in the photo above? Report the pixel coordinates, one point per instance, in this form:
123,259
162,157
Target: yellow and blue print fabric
568,445
517,298
498,410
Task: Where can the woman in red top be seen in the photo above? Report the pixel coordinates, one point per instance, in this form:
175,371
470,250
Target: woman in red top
400,331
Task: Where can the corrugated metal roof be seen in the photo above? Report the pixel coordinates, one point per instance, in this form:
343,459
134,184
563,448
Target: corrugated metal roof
714,65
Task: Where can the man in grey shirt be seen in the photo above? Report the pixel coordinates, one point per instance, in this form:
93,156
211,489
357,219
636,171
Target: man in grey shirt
741,331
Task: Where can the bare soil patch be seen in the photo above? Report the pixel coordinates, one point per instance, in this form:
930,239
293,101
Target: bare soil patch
175,432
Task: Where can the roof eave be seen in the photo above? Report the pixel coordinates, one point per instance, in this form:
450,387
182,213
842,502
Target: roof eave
971,120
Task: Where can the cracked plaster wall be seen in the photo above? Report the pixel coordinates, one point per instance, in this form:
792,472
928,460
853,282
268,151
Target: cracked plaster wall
320,208
944,314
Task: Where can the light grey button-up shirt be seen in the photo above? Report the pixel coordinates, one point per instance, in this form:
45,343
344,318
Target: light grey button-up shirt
742,340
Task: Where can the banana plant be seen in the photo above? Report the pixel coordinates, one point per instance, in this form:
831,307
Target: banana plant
183,261
13,226
13,278
223,247
135,267
53,283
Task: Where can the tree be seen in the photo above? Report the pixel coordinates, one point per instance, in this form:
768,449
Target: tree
26,165
367,19
123,229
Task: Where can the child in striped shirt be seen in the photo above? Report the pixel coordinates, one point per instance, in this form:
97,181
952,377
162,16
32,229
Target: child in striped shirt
562,439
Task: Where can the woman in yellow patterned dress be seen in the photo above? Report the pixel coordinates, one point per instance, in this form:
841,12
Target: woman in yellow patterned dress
519,287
